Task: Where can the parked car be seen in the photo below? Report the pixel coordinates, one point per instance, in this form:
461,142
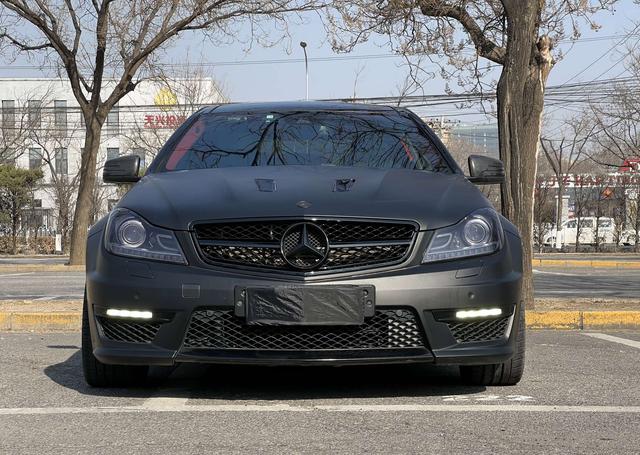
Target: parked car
629,237
303,234
569,231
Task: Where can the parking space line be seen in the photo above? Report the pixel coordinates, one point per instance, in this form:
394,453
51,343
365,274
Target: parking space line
603,336
16,274
167,399
174,407
548,272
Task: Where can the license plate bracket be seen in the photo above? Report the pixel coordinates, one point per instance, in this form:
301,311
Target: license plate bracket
305,305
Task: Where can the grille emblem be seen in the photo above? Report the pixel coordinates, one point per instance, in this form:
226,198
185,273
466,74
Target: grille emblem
304,204
304,246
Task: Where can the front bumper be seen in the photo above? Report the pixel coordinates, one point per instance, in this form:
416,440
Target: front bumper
430,292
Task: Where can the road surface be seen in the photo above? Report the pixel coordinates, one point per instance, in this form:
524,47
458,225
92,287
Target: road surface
579,395
549,282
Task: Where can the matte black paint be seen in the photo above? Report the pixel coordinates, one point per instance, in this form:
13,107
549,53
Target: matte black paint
175,200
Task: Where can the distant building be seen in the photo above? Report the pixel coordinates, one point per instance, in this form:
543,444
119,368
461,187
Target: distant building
484,137
41,127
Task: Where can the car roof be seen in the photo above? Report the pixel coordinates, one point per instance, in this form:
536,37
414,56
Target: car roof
297,106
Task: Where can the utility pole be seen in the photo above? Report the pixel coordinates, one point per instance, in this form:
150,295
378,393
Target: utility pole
303,45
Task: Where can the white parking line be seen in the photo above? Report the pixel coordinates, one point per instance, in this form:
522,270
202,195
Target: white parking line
547,272
602,336
322,408
16,274
573,291
160,400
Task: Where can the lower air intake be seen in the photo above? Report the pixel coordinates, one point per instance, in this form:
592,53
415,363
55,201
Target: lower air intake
486,330
221,329
128,331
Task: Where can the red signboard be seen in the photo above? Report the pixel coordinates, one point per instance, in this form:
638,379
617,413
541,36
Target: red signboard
163,121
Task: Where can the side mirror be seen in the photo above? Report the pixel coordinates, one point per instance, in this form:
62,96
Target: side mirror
484,170
122,170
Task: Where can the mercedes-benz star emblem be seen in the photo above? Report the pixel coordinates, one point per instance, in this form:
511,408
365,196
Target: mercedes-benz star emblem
304,246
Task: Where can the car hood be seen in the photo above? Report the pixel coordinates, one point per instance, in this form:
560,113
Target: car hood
176,199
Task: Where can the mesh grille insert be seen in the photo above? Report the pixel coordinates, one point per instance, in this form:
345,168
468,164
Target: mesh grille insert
129,331
351,243
221,329
488,330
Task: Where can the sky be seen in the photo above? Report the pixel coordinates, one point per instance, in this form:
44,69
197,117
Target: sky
380,74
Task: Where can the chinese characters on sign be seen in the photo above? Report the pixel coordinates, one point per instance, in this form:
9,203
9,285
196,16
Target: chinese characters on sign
163,121
590,181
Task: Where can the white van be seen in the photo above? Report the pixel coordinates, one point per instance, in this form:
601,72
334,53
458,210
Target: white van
569,231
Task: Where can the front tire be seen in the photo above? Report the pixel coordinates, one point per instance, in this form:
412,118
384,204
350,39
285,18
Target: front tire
507,373
98,374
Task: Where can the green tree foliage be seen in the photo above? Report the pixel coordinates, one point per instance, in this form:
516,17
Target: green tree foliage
16,190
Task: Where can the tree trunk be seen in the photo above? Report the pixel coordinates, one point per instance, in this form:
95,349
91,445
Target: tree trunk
82,215
558,244
14,237
520,99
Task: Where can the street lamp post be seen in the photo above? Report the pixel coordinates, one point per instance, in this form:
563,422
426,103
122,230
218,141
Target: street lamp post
303,45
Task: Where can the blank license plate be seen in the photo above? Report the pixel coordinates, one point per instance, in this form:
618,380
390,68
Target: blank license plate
306,305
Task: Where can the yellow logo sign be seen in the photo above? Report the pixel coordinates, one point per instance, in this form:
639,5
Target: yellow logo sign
165,99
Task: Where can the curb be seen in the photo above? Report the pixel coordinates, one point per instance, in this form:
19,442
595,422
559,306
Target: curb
559,320
590,264
41,322
13,268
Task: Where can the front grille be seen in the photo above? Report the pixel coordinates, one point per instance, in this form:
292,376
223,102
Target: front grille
128,331
262,243
489,330
221,329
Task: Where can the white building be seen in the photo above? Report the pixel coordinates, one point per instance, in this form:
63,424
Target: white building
41,127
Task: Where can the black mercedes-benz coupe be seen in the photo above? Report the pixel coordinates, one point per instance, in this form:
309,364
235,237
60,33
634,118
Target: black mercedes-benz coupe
303,233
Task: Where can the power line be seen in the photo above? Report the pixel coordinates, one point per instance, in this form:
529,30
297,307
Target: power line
618,43
285,60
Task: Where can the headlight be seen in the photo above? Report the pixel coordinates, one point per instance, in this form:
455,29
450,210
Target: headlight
479,233
128,234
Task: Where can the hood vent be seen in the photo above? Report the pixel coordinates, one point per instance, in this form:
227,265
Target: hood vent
266,185
343,185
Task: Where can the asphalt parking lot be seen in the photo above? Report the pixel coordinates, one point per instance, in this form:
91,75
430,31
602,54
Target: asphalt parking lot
579,395
549,282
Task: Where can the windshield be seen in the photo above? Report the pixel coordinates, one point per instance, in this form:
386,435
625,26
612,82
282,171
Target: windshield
378,140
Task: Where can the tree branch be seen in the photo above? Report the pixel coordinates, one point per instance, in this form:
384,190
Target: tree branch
484,46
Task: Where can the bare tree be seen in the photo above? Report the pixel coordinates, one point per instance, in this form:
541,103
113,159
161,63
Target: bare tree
106,47
617,117
542,212
564,154
17,120
516,35
634,213
54,139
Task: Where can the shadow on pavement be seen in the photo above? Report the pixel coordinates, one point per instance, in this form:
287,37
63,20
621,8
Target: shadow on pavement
225,382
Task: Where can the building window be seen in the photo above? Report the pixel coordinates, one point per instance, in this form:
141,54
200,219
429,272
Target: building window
112,152
8,114
62,161
35,113
60,115
113,120
141,154
35,158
